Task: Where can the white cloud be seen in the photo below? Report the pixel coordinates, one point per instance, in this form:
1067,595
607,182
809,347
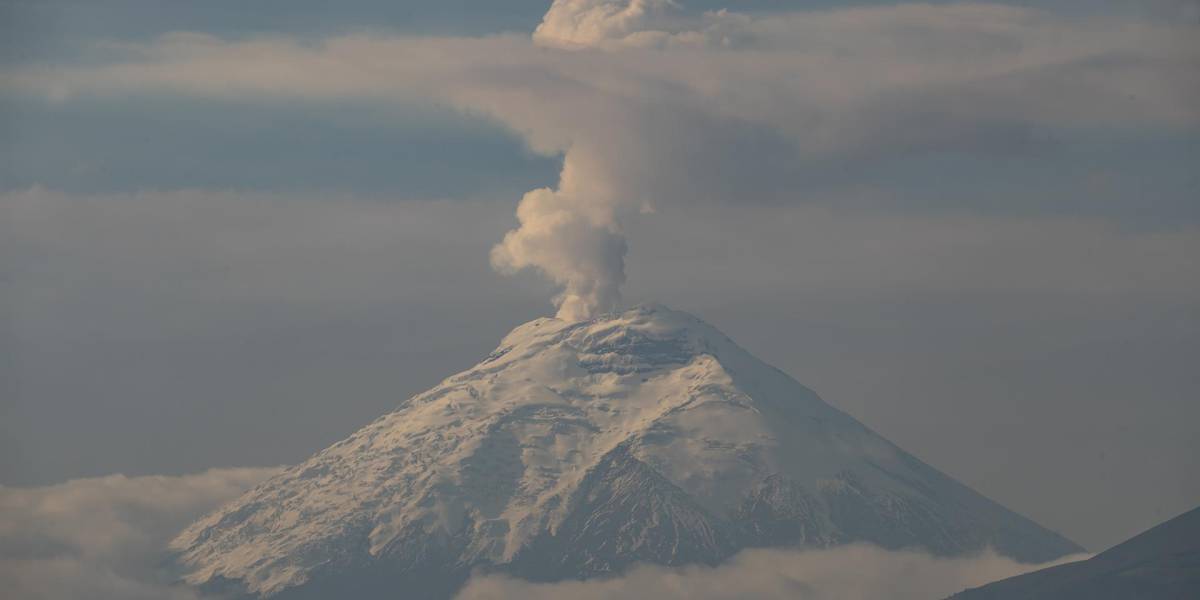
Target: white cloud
105,537
581,23
622,24
855,572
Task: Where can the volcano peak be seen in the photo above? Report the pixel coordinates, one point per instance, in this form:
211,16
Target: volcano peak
577,449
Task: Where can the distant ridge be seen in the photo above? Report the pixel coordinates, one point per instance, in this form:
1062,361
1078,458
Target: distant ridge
1162,563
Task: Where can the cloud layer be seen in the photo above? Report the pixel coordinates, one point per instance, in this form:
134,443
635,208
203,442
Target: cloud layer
652,107
104,537
855,572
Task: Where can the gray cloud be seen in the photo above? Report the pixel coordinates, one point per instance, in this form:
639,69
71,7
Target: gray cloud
827,249
415,151
651,109
105,537
238,327
855,572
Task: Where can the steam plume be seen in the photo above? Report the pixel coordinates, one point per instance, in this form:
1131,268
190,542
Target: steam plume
573,236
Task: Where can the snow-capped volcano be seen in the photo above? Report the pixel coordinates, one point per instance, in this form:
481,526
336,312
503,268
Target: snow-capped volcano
577,449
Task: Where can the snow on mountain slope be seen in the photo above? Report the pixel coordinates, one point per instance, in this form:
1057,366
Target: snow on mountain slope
577,449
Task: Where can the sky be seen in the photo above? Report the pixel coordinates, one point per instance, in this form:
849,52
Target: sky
229,237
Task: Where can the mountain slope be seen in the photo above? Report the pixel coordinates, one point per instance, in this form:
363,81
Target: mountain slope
1160,564
577,449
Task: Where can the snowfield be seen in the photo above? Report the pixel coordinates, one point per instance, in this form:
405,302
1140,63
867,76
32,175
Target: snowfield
577,449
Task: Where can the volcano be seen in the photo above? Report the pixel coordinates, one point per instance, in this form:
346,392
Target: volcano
577,449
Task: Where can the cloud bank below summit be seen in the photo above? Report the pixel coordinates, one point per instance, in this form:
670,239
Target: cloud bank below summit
654,109
853,572
105,537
